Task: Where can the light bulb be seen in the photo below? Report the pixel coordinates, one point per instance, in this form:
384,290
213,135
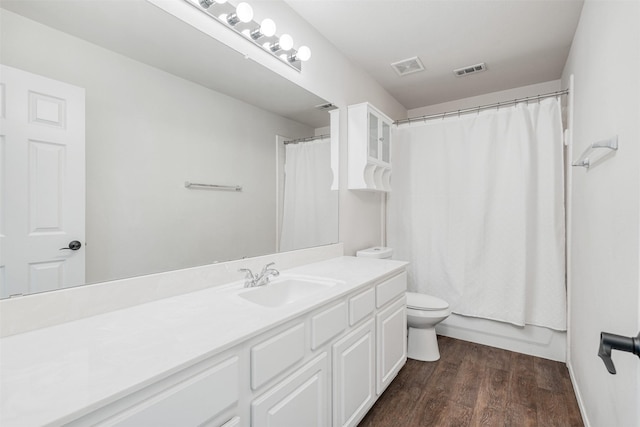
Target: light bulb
244,12
267,27
303,54
285,42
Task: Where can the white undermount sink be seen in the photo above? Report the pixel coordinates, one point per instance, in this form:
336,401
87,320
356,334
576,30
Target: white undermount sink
285,291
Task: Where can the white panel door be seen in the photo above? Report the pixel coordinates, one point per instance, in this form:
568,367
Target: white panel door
42,183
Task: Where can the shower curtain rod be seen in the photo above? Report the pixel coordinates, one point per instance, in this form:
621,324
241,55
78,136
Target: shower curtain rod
307,139
481,107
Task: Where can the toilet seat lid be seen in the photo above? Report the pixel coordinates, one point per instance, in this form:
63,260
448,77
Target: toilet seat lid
425,302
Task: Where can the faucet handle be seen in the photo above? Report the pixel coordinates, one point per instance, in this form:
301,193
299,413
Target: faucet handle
266,267
248,274
250,279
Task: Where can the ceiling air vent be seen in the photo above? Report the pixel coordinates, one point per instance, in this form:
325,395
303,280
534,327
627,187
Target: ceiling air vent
470,69
326,107
408,66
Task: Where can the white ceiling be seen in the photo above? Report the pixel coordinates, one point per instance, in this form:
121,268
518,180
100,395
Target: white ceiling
522,42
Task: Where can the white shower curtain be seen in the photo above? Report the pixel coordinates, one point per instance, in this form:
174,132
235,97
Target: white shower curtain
477,208
310,207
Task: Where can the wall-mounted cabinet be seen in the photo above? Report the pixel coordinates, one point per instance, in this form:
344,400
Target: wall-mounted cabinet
369,133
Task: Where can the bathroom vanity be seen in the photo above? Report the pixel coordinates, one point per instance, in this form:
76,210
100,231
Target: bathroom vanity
223,356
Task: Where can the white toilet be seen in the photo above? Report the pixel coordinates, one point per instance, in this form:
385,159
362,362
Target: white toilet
424,312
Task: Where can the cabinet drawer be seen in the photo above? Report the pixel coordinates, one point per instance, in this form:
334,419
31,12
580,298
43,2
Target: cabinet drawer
390,289
276,354
361,306
191,402
328,324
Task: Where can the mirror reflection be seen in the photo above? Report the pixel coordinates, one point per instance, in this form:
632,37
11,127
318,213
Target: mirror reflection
124,104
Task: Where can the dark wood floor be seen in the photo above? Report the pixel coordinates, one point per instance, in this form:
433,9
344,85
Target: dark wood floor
476,385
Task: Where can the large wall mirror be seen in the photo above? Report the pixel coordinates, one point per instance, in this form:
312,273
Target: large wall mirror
163,104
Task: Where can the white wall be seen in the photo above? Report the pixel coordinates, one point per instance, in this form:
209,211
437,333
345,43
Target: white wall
489,98
147,133
333,77
533,340
605,212
330,75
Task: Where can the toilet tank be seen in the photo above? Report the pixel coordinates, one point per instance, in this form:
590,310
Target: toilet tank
376,252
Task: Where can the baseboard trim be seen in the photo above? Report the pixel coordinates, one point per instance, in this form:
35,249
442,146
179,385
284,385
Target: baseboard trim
531,340
576,391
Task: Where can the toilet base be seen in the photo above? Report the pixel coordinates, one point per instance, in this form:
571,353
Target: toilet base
423,344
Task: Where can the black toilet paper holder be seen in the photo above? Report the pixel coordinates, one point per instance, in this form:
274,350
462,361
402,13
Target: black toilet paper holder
609,342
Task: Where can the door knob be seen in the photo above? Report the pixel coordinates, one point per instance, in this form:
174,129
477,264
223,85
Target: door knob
74,245
610,342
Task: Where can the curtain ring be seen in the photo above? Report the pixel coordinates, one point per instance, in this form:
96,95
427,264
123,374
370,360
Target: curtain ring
458,113
498,107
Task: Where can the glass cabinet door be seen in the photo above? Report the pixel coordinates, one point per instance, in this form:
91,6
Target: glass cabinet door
373,136
386,142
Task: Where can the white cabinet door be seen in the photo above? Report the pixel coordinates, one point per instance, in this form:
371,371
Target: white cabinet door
374,138
300,400
391,325
354,375
385,143
379,138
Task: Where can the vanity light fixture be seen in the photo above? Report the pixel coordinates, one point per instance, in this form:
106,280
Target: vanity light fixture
240,19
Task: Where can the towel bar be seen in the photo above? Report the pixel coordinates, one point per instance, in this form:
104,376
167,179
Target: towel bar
188,184
585,159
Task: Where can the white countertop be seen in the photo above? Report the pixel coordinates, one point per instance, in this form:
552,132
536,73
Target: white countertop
50,374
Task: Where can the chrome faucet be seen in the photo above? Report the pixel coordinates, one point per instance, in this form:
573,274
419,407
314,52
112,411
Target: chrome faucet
259,279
